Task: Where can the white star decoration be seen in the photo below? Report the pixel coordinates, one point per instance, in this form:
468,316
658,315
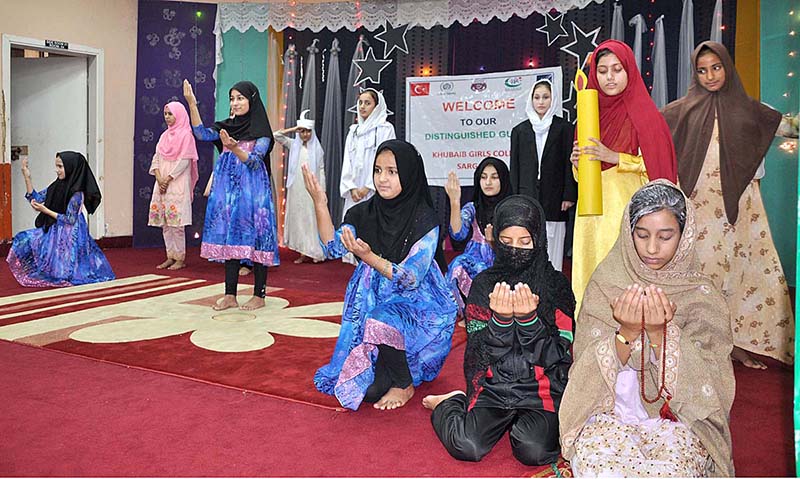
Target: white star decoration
370,68
567,105
393,38
584,44
553,27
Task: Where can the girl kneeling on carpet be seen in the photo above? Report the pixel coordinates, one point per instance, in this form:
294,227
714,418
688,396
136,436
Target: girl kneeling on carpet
59,251
399,314
240,216
518,347
491,184
664,412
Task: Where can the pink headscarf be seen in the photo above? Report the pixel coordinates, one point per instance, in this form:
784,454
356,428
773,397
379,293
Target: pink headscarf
177,143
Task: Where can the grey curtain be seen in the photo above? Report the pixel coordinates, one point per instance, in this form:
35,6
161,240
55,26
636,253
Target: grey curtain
618,24
309,101
638,23
332,138
685,48
716,23
658,55
352,89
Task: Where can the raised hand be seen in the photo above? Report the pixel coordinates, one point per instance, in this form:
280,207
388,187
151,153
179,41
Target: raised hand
26,172
525,302
628,309
453,188
226,140
501,300
313,186
657,309
188,93
357,246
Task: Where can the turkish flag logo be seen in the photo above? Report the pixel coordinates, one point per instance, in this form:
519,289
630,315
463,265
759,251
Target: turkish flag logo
420,89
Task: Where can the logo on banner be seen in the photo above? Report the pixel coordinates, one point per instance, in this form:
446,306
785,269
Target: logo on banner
513,83
420,89
478,86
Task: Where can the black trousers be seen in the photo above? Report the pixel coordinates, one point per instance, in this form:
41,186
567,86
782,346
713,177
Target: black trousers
468,436
391,370
232,278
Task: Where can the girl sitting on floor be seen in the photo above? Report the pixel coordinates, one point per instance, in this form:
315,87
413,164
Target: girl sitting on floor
59,251
399,314
651,389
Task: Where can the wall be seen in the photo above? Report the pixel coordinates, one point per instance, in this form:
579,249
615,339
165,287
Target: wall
110,25
780,90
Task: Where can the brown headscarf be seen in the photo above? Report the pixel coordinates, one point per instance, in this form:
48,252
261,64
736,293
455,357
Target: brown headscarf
699,373
746,128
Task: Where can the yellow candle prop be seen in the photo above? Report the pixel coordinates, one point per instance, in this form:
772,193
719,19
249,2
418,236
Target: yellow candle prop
590,187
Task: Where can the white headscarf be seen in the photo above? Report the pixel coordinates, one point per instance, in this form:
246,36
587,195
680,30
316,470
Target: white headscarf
541,125
377,117
315,152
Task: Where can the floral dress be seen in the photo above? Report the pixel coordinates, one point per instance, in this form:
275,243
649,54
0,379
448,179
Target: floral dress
240,215
64,255
477,256
414,312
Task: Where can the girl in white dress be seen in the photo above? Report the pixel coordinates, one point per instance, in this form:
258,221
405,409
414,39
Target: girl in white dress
363,139
300,225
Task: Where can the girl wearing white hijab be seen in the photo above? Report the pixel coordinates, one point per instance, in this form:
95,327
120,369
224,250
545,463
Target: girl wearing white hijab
362,141
300,225
540,166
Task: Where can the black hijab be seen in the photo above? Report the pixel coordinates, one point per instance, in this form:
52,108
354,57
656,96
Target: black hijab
391,227
484,205
515,265
77,177
252,125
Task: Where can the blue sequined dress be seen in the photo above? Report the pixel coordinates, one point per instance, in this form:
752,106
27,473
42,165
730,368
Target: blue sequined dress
64,255
414,311
477,256
240,215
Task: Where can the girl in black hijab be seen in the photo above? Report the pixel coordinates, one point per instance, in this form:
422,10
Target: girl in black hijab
240,215
519,339
398,316
491,184
59,251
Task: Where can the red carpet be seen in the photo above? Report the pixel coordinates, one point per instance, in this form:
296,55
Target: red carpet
71,416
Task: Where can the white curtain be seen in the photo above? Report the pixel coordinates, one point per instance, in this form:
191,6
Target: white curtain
309,101
716,23
658,55
289,99
332,139
685,48
618,24
638,23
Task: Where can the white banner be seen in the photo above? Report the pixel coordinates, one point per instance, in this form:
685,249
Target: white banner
457,121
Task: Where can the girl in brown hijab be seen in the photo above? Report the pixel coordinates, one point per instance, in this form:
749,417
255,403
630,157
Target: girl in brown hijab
664,412
721,136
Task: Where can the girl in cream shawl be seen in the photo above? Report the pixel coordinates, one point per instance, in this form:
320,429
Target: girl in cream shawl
647,295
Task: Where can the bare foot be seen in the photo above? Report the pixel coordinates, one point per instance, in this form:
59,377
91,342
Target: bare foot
244,271
177,265
227,301
254,303
318,261
166,264
462,323
395,398
739,354
431,401
301,259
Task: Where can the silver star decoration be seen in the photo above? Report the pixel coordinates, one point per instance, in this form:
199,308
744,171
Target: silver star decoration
553,27
583,44
354,108
568,104
370,68
394,38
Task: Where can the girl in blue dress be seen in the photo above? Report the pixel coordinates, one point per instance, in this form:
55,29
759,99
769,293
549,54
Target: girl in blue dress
240,215
491,184
59,251
399,313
